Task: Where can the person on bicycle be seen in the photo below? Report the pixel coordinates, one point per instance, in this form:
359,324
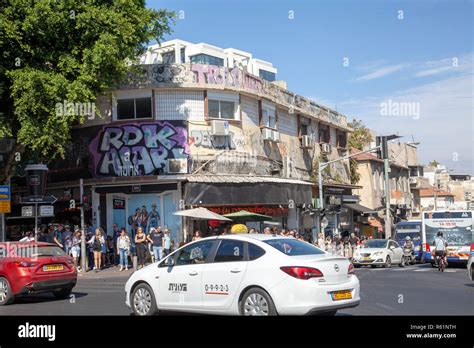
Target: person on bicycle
440,245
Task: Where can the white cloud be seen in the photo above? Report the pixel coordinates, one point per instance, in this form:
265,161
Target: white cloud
381,72
445,125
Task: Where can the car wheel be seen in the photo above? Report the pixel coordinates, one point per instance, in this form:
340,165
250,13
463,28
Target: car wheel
63,293
387,263
143,300
257,302
6,295
472,273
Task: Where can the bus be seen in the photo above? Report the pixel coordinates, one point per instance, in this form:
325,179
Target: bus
457,228
411,228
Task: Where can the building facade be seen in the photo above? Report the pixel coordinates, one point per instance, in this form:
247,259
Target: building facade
187,133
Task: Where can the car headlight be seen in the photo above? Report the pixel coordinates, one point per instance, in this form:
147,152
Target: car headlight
378,253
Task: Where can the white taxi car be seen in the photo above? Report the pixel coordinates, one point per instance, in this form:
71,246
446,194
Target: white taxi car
245,274
379,252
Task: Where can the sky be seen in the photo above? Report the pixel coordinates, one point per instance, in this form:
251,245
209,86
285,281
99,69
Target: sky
402,67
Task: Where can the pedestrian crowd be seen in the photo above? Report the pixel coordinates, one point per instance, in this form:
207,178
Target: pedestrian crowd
102,250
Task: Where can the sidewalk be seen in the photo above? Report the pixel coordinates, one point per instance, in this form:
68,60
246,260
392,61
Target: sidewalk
110,272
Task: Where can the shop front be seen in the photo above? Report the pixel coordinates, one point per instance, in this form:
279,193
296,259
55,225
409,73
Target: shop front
281,199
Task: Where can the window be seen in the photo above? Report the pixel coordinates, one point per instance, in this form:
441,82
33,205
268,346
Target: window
183,51
304,129
268,117
129,109
229,251
255,252
267,75
341,139
293,247
168,57
221,109
206,59
324,134
194,253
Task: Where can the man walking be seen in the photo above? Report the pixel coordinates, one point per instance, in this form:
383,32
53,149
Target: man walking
156,238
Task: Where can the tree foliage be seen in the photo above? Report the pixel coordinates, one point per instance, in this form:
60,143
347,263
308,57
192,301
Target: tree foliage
357,140
56,51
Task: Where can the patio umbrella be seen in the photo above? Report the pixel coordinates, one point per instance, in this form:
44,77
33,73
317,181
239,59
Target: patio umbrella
201,214
246,216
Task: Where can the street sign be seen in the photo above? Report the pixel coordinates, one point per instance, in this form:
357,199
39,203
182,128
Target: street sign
39,200
27,211
5,202
46,210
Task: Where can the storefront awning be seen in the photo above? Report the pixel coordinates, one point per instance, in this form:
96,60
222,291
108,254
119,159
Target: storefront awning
376,223
360,208
245,190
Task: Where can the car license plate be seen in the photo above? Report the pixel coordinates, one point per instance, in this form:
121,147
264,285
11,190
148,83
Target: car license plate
366,258
53,268
341,295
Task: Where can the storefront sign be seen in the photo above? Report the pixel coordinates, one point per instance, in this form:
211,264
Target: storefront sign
264,210
5,199
139,148
119,203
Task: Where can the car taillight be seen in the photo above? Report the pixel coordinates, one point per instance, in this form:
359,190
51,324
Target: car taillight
302,272
472,247
26,264
351,269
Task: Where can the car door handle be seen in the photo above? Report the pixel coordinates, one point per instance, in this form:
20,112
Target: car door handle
236,270
193,273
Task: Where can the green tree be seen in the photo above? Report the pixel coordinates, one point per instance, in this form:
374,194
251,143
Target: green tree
357,140
65,50
434,163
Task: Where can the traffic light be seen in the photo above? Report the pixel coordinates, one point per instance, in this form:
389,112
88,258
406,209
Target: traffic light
382,151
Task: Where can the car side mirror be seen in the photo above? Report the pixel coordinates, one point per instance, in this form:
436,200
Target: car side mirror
168,262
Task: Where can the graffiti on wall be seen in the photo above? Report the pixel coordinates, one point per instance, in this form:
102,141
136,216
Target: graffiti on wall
204,138
182,74
138,149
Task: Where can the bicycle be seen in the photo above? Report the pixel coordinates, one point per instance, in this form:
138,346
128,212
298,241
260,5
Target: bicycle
442,262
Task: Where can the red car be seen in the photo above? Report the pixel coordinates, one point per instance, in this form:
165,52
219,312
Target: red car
32,267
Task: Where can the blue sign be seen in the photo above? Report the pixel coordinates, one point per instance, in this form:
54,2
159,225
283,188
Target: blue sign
5,193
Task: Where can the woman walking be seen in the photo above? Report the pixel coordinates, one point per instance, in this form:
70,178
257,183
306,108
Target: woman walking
97,241
140,243
76,248
123,249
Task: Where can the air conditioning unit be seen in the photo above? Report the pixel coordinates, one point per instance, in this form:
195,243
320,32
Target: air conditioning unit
307,142
219,127
276,136
267,134
326,148
178,166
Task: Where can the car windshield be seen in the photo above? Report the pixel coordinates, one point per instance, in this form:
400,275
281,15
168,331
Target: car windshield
40,251
293,247
375,243
402,235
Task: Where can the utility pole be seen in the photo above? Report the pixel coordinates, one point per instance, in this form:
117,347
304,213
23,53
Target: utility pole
83,233
381,141
321,167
